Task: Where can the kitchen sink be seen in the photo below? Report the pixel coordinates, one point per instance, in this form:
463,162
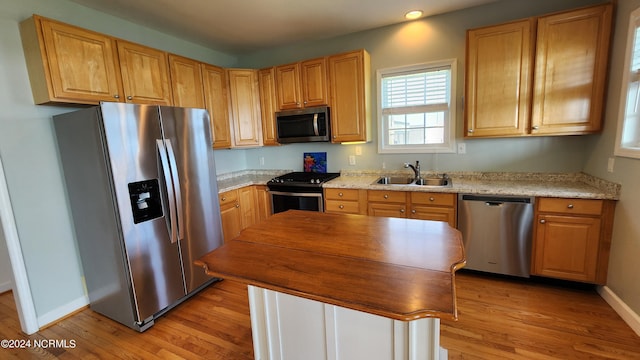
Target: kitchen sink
401,180
394,180
435,181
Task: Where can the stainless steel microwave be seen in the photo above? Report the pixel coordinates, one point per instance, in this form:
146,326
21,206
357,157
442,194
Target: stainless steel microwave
303,125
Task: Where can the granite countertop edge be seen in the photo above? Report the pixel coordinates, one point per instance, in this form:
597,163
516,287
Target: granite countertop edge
562,185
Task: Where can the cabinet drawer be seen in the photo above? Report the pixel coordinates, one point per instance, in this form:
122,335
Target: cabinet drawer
387,196
228,197
438,199
350,207
570,206
341,194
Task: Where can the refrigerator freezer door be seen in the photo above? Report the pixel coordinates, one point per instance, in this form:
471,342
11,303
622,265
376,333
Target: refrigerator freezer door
130,134
188,136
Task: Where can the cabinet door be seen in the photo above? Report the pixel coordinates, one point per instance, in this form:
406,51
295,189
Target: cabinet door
445,214
387,210
288,86
314,82
145,74
70,65
214,84
349,78
498,79
247,199
266,82
566,247
186,82
570,75
263,199
230,214
244,107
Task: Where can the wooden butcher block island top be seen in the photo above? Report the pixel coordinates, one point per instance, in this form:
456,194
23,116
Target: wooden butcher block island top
402,269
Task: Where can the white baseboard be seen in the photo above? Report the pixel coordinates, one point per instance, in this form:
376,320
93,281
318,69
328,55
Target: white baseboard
5,286
62,311
629,316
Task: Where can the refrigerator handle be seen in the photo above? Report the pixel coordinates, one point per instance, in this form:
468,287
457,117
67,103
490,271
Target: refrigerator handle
176,187
166,173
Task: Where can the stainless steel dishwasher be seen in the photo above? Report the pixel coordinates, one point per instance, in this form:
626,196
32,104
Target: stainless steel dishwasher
497,233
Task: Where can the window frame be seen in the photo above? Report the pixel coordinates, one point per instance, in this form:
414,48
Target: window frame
620,148
449,145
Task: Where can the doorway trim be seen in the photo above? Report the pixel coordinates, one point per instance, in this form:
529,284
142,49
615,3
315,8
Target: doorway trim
21,290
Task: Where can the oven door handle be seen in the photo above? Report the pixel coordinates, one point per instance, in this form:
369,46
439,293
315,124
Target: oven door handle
302,194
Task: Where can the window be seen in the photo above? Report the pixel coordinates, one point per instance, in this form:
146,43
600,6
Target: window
628,139
416,108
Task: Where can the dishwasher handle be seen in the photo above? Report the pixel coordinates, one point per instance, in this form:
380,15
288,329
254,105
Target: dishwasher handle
492,200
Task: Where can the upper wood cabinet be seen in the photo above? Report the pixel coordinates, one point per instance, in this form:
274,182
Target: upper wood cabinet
145,74
214,84
572,53
499,78
68,64
558,90
244,106
349,94
267,90
303,84
186,82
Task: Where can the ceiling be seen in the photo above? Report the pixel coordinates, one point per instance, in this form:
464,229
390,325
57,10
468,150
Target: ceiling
242,26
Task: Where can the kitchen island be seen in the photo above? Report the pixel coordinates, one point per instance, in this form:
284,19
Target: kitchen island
344,286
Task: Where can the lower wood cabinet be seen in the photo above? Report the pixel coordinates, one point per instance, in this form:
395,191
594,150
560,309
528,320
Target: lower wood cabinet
433,206
345,201
243,207
387,203
230,214
572,239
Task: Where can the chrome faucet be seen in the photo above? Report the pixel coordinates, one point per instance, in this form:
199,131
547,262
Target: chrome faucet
416,169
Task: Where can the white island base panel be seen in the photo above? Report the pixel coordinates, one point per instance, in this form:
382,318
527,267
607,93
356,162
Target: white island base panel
286,327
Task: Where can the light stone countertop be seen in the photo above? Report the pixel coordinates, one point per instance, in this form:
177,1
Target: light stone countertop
562,185
239,179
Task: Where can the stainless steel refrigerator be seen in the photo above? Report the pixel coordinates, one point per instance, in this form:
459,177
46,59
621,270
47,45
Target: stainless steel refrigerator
142,190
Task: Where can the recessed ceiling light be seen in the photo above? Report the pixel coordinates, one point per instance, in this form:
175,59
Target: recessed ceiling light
414,14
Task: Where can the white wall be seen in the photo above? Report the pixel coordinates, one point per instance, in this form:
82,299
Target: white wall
625,248
28,150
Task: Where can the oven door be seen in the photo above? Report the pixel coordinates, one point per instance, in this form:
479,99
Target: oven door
283,201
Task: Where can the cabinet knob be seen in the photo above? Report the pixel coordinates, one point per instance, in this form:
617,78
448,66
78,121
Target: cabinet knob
432,199
224,198
305,102
570,206
413,211
237,205
116,96
341,206
470,131
543,221
535,127
386,196
340,194
402,211
129,97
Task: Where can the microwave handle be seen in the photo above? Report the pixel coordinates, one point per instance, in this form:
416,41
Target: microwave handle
315,124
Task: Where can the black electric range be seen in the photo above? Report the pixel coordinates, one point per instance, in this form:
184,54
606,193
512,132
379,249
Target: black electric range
300,181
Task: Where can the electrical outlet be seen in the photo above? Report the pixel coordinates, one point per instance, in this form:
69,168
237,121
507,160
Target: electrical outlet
352,160
261,160
462,148
358,150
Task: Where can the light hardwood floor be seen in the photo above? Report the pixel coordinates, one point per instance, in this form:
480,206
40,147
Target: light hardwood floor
499,318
